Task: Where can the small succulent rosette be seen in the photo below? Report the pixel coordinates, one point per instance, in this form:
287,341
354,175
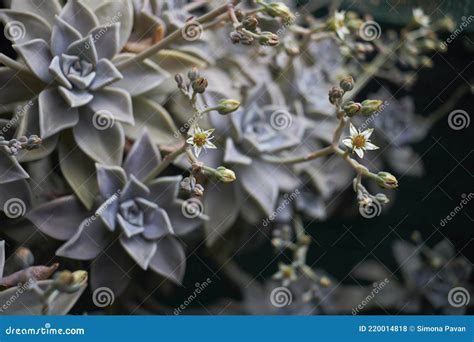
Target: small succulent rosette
135,223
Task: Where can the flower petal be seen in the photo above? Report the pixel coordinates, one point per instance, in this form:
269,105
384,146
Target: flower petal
54,113
37,57
353,130
347,142
369,146
367,133
360,152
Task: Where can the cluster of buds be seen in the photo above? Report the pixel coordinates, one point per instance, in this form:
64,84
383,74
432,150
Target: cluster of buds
365,108
247,30
190,185
194,81
69,282
23,143
278,10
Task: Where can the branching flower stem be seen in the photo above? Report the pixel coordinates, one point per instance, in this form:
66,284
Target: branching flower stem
172,38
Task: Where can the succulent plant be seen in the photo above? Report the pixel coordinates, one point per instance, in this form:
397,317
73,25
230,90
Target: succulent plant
134,223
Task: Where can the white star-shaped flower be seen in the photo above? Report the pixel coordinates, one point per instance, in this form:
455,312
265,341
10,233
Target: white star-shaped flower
359,142
340,25
200,139
420,17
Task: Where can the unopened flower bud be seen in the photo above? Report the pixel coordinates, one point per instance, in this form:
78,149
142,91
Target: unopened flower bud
179,80
23,257
68,282
347,83
351,108
279,9
381,198
193,74
447,24
387,180
268,38
227,106
371,106
335,95
199,85
225,175
325,281
250,23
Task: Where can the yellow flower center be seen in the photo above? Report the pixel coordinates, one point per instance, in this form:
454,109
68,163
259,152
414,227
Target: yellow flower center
358,141
200,139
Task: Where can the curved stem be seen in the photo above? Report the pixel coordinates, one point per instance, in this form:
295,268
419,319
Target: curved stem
167,160
171,38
